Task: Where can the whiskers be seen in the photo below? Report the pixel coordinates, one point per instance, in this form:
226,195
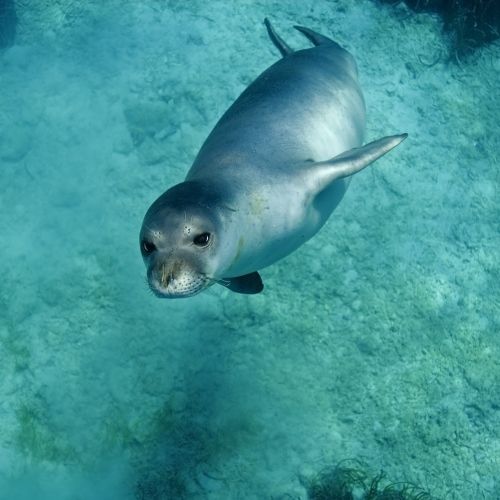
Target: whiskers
150,288
213,281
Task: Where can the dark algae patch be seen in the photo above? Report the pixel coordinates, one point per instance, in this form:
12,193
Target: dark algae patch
470,23
348,480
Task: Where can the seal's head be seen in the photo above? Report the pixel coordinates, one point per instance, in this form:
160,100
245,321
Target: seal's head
179,240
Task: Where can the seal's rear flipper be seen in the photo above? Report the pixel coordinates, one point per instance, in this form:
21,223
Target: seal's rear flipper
279,43
320,175
315,38
249,283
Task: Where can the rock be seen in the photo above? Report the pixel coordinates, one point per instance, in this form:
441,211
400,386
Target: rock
151,152
147,119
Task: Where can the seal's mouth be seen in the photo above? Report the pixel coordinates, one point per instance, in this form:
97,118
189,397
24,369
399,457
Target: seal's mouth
170,282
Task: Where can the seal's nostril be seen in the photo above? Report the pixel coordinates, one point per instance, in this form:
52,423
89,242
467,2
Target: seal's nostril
164,276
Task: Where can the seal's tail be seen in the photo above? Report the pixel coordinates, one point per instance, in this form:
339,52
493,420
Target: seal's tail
285,49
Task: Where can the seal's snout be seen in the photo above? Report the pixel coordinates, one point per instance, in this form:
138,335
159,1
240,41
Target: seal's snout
175,279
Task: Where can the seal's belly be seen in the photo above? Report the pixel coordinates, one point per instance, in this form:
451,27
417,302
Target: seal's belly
274,220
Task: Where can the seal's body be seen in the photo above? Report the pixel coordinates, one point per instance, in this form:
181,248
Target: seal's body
268,176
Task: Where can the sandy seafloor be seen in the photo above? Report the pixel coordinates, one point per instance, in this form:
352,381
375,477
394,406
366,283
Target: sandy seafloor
379,340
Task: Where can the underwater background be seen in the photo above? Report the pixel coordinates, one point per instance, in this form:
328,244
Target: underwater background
378,341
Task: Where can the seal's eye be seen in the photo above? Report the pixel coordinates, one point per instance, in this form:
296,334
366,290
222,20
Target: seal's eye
147,247
202,240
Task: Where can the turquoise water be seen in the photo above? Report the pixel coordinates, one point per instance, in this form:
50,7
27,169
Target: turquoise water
377,341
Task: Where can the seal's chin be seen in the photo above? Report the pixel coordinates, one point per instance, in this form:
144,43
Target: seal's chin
183,284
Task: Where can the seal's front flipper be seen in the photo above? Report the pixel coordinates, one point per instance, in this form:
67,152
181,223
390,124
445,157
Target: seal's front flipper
249,283
321,174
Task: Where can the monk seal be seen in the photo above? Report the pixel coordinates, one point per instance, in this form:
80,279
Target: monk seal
268,176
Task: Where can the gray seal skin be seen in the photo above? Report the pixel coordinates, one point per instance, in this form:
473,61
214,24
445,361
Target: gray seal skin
268,176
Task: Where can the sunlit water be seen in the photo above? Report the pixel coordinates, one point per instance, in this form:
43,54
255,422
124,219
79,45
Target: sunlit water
377,341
